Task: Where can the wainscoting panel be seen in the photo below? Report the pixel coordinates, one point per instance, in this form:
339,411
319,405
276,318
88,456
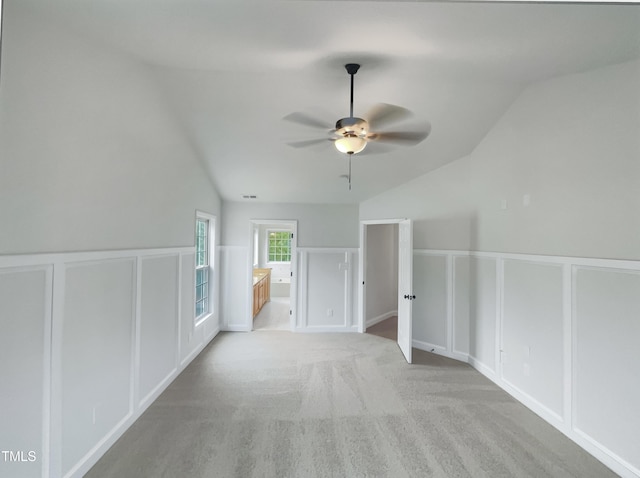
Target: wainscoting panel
96,354
158,340
532,331
234,288
86,337
430,286
606,360
25,306
483,306
560,334
460,304
327,285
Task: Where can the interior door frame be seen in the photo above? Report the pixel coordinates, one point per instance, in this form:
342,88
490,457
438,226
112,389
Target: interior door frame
293,289
362,267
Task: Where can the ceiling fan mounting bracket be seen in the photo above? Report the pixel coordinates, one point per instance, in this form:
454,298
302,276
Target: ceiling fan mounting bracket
352,68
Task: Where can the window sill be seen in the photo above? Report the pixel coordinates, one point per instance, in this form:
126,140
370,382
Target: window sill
200,320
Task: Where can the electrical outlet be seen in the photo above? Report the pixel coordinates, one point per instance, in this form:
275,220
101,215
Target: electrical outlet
329,312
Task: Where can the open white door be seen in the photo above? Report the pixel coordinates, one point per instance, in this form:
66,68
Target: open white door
405,287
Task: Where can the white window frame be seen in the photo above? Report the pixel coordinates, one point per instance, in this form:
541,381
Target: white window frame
267,232
210,266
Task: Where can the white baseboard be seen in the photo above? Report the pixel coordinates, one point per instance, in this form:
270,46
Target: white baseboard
235,328
439,350
326,329
380,318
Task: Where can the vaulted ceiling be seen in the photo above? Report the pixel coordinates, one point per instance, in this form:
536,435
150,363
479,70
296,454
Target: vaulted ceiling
232,70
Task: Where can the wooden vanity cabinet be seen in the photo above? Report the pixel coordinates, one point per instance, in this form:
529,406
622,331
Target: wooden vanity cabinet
261,289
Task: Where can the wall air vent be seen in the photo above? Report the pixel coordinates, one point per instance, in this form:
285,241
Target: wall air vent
249,196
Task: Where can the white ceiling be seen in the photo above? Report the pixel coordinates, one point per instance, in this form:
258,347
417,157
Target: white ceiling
233,69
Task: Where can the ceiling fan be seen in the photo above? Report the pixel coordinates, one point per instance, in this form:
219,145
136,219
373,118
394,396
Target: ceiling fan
352,134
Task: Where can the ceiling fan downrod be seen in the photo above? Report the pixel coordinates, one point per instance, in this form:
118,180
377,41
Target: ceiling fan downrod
352,69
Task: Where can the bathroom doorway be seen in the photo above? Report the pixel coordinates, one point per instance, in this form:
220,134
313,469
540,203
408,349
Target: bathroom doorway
273,270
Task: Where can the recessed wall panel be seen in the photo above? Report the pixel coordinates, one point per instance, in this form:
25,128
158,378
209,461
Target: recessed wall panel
482,322
607,356
326,289
430,305
234,288
461,267
532,331
158,321
23,311
96,354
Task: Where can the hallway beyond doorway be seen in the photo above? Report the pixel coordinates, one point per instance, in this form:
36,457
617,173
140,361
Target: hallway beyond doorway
387,329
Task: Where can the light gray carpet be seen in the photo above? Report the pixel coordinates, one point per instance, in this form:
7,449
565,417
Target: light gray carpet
278,404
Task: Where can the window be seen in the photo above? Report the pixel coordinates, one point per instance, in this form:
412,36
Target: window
204,227
279,246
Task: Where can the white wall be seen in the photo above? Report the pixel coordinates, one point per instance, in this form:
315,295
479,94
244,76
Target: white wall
547,198
319,225
571,144
90,154
91,160
558,333
329,230
89,341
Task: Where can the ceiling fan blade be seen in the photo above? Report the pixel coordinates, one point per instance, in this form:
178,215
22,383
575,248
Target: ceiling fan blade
308,142
384,114
306,120
401,137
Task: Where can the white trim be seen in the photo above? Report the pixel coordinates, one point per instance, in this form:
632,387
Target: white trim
46,370
499,350
328,250
376,320
439,350
55,266
150,397
328,329
567,346
57,321
236,328
583,261
24,260
565,420
136,337
286,225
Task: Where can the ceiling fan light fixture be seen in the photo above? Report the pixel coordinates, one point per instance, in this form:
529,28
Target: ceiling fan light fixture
350,144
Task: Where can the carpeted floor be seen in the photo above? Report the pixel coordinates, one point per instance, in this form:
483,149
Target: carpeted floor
279,404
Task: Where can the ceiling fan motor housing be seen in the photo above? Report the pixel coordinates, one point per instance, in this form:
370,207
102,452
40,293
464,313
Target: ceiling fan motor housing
352,127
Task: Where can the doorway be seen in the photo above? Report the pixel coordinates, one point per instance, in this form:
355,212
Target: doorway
386,260
273,271
381,279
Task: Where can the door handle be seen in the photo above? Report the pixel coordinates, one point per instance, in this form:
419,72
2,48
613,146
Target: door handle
410,297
